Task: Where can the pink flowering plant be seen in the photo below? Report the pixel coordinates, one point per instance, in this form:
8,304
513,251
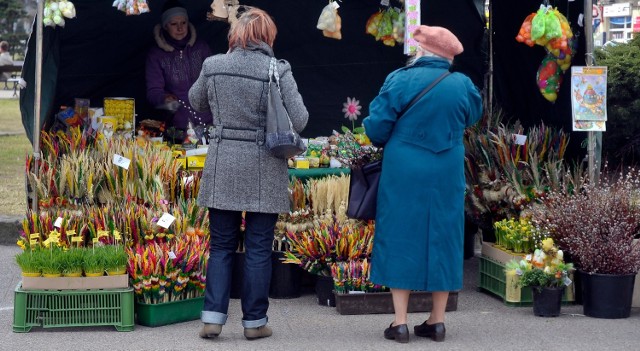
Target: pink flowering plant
596,224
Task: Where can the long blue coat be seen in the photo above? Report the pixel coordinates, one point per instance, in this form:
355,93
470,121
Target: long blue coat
418,243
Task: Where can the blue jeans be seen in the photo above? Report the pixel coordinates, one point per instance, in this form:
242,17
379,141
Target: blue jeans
258,241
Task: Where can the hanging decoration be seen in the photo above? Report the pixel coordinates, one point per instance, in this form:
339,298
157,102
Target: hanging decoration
550,29
225,10
56,11
132,7
330,22
387,24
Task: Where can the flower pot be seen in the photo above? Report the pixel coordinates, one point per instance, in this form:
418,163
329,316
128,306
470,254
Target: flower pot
285,278
73,274
52,275
607,295
324,291
93,274
31,274
237,275
547,301
117,272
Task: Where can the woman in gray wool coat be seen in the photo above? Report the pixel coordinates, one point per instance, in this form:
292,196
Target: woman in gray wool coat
239,173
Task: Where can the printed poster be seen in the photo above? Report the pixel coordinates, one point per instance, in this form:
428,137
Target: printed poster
412,22
589,98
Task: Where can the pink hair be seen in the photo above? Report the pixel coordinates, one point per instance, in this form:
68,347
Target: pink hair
253,26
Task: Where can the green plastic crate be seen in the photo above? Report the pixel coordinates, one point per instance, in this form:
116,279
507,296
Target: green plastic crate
72,308
155,315
493,279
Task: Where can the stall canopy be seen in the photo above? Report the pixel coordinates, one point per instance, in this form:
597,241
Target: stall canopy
101,53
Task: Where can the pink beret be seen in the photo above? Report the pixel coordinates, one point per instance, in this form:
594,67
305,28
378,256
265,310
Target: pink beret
439,41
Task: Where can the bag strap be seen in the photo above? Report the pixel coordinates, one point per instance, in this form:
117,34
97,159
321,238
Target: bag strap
424,91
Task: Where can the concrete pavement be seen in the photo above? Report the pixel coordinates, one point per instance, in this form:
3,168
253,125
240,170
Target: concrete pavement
481,322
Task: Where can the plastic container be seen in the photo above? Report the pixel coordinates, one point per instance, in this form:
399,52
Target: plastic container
493,279
72,308
381,302
155,315
285,278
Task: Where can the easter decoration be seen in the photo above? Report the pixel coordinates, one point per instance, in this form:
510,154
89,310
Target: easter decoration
56,11
330,22
550,29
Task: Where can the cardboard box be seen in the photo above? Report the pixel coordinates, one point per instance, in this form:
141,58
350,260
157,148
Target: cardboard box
80,283
498,254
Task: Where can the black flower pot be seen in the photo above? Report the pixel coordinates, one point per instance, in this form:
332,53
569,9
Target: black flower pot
324,291
607,295
237,275
285,278
547,301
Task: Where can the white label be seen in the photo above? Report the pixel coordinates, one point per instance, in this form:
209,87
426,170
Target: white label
520,139
58,222
166,220
355,292
121,161
384,2
567,281
172,255
528,258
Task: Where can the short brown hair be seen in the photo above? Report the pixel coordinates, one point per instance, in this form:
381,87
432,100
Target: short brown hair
4,46
253,26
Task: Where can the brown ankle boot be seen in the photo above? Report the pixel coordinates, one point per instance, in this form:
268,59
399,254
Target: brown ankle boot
256,333
210,330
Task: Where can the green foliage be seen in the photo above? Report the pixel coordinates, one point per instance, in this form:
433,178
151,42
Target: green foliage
52,260
72,261
115,258
621,141
94,261
536,277
29,261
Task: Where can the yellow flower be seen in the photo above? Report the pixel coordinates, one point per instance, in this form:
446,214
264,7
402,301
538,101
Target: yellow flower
547,244
21,244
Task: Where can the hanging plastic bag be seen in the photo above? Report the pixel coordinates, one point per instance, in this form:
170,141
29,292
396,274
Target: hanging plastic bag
538,23
328,19
372,23
524,35
552,27
549,78
337,34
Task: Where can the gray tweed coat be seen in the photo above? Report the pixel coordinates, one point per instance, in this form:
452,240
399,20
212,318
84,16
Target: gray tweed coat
239,173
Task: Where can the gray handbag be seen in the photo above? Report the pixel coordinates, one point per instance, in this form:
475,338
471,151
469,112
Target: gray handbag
281,139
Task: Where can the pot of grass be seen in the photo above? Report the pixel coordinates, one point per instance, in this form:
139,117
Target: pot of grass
29,262
72,262
52,262
93,264
115,260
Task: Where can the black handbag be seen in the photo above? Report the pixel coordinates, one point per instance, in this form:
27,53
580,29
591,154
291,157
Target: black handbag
281,139
363,184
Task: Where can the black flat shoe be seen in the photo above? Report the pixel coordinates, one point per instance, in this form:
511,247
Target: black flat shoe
434,331
399,333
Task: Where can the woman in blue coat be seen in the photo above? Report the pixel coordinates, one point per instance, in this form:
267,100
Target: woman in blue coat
418,244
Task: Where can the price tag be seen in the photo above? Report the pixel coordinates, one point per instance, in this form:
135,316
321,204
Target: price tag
166,220
567,281
58,222
116,235
102,233
34,236
33,242
95,240
76,239
520,139
121,161
71,232
383,3
172,255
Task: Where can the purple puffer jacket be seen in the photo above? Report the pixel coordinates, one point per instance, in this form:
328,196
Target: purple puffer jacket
171,68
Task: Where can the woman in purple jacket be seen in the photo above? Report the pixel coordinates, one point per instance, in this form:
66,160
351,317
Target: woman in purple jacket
174,65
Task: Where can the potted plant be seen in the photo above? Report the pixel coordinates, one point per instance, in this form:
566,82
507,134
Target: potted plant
596,225
546,273
72,262
30,263
93,264
115,260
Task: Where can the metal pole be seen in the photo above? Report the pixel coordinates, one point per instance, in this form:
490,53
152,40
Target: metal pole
490,97
588,36
36,100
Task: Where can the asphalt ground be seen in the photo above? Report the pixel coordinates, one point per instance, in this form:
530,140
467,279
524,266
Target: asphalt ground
480,322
